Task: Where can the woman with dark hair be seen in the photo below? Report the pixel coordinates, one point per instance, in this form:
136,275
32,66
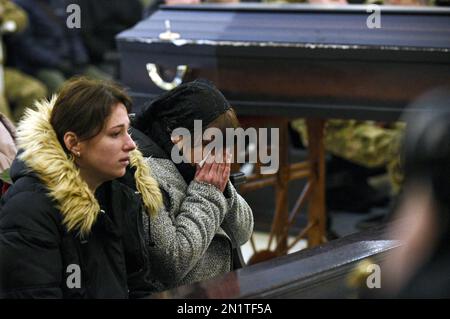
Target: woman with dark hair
68,229
191,237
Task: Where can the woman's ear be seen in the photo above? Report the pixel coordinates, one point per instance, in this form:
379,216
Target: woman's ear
72,144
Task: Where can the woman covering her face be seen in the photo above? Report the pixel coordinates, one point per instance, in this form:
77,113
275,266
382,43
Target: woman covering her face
68,229
189,239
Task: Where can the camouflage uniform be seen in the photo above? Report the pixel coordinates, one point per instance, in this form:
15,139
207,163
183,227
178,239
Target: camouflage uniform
22,90
16,87
364,143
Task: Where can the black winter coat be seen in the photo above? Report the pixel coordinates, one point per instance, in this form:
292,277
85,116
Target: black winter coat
39,257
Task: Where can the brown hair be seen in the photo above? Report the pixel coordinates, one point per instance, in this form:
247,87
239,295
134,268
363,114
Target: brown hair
228,119
225,120
83,105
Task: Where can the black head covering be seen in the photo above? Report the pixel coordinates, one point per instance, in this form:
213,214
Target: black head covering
197,100
180,107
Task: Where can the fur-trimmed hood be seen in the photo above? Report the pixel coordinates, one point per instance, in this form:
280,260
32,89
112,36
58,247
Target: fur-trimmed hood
43,154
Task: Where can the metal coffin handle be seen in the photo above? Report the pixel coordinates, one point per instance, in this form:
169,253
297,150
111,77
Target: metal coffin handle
153,73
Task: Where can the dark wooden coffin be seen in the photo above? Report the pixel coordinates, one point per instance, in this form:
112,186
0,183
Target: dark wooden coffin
294,60
321,272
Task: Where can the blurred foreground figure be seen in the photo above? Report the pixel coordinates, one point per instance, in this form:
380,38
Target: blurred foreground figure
420,268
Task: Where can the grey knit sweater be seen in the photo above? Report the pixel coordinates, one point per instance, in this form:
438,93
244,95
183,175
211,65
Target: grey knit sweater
186,242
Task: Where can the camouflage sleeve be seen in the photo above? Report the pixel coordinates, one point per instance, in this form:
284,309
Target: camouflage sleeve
362,142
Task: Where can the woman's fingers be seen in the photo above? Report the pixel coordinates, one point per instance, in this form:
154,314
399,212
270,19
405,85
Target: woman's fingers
220,169
226,171
197,170
202,172
207,167
213,173
225,176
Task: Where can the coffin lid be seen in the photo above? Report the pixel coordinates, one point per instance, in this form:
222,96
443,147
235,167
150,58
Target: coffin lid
418,33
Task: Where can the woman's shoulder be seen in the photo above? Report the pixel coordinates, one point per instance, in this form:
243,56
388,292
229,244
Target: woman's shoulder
161,165
27,205
28,187
165,171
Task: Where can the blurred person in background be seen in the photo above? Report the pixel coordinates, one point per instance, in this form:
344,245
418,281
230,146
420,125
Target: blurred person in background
102,20
17,90
48,49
